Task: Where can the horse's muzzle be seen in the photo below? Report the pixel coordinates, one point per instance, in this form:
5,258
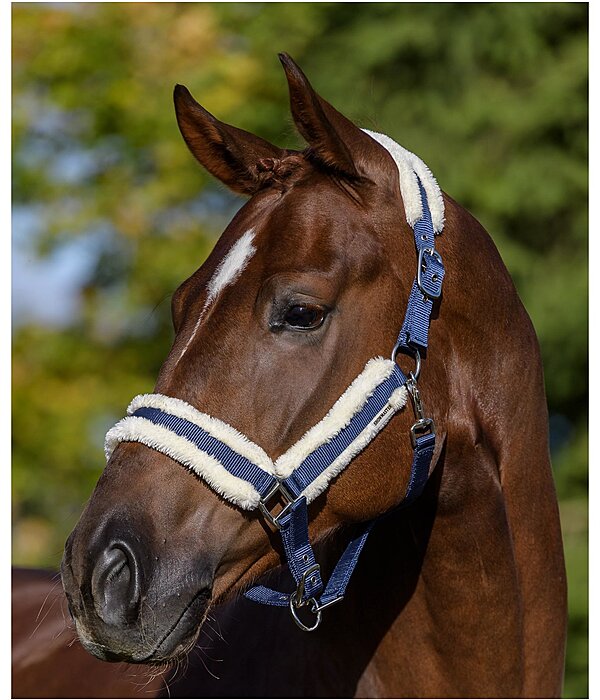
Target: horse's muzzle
127,604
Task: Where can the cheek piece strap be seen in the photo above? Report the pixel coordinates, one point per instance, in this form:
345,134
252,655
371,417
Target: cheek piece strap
240,470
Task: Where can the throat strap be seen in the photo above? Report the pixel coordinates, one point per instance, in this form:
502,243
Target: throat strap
293,527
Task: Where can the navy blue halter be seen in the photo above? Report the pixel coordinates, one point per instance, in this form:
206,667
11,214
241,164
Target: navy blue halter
292,520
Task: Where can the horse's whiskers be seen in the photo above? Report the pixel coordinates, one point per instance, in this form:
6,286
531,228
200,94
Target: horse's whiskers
46,600
201,654
212,629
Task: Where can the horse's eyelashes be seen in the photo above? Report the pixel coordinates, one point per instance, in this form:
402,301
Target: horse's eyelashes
305,316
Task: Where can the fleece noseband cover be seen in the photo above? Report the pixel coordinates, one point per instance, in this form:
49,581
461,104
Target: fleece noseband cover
224,457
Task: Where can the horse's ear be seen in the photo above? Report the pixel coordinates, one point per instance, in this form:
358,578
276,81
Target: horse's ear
230,154
334,140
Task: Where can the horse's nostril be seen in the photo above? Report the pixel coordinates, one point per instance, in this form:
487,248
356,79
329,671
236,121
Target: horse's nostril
116,585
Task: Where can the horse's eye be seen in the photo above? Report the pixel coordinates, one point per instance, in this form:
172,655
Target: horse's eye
305,317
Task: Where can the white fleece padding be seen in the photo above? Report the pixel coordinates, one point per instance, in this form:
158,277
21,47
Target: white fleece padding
396,402
409,166
138,429
213,426
234,489
340,414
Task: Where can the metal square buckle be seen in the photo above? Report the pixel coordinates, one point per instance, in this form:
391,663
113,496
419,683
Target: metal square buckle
280,490
436,280
422,426
299,594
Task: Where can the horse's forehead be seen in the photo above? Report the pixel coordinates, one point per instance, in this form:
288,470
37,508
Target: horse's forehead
307,221
310,225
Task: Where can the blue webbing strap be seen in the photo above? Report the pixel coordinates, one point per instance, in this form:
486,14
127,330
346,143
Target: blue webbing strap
427,285
340,577
419,473
299,555
338,581
298,550
232,461
321,458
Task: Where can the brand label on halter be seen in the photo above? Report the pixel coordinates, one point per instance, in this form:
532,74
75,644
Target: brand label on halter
382,414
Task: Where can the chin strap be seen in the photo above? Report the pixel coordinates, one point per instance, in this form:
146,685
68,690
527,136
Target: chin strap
293,527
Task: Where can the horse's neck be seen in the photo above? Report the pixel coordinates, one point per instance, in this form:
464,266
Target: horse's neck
420,574
434,582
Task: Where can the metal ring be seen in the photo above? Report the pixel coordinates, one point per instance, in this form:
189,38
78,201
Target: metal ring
408,350
298,621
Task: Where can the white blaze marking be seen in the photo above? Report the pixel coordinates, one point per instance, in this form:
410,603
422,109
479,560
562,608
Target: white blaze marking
227,272
232,265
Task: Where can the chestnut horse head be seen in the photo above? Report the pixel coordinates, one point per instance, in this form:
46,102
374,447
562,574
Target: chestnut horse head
309,280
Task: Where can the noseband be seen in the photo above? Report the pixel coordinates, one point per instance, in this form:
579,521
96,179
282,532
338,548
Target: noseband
240,471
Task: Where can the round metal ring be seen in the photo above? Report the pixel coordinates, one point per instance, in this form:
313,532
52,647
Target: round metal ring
407,350
298,621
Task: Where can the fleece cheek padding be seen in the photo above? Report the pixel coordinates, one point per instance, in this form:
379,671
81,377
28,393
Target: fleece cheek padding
316,488
339,416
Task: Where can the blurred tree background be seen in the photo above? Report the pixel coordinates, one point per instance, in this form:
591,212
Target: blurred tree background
111,212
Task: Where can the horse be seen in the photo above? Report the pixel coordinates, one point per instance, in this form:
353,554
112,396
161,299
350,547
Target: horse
460,591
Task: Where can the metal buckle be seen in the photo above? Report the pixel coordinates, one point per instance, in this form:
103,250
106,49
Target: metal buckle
287,497
421,426
299,594
420,269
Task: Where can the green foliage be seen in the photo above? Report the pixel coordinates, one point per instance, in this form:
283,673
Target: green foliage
493,96
575,534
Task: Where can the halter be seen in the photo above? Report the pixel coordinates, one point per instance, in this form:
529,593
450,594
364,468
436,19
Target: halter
241,472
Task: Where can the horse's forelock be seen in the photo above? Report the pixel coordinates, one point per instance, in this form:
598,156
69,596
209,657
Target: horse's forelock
280,172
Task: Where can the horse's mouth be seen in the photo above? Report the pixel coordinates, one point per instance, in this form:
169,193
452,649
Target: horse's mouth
179,639
174,643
